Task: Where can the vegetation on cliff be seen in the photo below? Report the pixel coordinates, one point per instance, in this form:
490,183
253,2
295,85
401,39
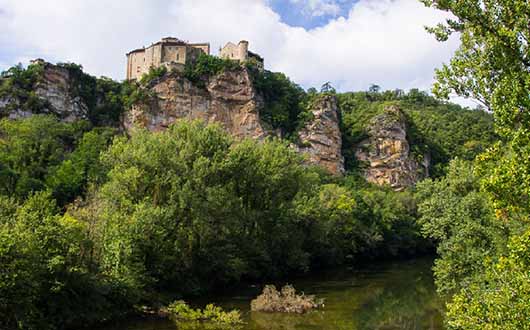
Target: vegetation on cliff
437,128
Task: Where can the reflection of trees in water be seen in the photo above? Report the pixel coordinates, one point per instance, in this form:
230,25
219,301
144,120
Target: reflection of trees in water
395,297
401,298
283,321
197,325
407,305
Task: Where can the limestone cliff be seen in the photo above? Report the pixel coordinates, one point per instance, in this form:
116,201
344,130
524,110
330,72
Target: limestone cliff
386,152
231,99
321,137
228,98
54,91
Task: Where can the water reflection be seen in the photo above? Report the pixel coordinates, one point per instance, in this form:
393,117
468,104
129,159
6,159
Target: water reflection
388,296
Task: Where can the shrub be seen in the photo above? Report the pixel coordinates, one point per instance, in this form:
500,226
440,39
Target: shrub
180,311
206,66
285,301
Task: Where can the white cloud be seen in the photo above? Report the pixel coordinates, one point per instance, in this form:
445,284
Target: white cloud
379,41
317,8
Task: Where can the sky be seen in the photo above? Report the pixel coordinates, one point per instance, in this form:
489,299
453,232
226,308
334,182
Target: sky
350,43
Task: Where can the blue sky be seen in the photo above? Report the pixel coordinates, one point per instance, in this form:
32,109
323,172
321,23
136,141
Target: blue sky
350,43
310,14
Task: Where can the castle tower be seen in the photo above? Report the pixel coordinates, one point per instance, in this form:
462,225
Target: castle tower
243,50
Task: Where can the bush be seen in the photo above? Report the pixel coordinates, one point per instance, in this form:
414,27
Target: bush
206,66
154,73
285,301
180,311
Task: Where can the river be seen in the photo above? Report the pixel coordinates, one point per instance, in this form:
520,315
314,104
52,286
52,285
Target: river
382,296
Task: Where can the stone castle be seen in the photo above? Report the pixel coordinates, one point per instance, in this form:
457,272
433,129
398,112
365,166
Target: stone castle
175,54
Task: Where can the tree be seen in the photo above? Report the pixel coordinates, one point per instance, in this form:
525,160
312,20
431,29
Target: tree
188,209
30,148
327,88
45,280
492,65
460,220
500,300
374,88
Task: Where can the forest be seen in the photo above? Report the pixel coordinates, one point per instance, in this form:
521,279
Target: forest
96,224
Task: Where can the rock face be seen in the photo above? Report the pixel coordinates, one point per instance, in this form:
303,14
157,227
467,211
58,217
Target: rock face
228,98
386,152
55,89
321,137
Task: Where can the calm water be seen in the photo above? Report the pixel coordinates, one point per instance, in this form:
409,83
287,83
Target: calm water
385,296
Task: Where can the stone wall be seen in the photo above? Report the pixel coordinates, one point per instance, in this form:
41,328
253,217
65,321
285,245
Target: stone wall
167,52
237,52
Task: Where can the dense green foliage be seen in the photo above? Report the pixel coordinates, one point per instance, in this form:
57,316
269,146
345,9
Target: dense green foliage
500,299
42,153
17,84
493,66
206,66
180,311
286,103
461,220
443,130
187,208
46,279
182,211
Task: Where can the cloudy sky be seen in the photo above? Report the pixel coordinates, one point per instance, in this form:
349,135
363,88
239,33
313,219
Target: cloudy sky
351,43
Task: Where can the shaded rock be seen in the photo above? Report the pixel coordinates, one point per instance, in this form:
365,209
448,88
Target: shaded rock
228,98
386,152
321,138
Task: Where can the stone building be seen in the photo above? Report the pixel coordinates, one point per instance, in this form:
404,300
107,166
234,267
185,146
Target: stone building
170,52
239,52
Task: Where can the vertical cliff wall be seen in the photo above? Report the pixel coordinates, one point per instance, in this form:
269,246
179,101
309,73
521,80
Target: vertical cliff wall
54,89
228,98
321,137
386,154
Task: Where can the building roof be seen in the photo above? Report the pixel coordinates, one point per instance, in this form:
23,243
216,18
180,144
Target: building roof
136,51
169,41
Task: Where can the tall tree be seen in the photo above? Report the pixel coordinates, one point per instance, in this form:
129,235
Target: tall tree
492,65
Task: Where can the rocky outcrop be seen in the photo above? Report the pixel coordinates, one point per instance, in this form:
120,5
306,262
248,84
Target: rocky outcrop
228,98
54,89
386,152
321,137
